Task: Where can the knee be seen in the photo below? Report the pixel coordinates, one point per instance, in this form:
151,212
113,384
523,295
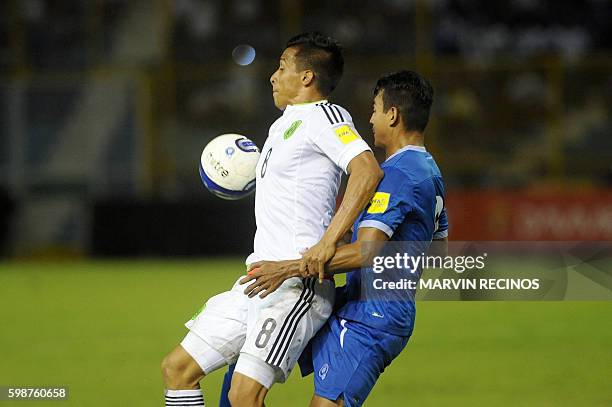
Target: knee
169,370
234,396
175,374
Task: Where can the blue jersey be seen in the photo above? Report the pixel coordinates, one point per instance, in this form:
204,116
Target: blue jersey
409,207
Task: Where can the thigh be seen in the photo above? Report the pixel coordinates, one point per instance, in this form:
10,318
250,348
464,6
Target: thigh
207,357
282,324
333,367
222,323
348,359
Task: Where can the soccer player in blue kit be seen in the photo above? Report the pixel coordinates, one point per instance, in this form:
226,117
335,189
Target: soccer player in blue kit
367,331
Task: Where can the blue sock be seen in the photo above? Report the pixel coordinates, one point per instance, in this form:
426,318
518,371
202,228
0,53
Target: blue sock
227,381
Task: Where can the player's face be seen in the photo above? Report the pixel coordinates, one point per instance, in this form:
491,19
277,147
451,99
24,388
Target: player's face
286,81
378,121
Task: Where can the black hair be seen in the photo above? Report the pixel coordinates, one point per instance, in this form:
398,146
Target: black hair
411,94
322,55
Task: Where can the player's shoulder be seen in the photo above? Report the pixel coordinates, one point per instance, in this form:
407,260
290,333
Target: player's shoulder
327,114
413,167
278,122
394,175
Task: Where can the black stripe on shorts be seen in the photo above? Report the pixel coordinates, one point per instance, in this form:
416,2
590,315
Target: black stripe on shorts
288,324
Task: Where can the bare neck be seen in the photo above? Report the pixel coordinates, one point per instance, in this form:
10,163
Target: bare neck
400,139
307,95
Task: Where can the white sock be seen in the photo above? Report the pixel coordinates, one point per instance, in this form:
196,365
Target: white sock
182,398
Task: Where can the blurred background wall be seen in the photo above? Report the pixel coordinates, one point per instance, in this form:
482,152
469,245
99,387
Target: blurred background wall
105,106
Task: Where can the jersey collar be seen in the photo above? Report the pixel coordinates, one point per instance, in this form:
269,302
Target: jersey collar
406,148
307,105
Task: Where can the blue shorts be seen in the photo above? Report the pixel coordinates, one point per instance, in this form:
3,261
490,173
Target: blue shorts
348,357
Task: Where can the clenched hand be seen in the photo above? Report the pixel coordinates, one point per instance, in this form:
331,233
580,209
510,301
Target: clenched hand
313,261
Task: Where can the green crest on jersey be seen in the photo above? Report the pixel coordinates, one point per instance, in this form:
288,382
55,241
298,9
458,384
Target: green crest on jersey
289,132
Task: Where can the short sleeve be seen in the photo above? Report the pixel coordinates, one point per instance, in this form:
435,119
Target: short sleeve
333,134
442,223
390,204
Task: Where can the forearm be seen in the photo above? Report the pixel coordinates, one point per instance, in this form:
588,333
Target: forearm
356,255
346,258
359,253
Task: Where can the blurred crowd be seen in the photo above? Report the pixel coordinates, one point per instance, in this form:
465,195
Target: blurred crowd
518,99
71,33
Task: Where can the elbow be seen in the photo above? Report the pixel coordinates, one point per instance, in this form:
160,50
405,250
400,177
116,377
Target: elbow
367,171
376,173
374,177
379,174
370,180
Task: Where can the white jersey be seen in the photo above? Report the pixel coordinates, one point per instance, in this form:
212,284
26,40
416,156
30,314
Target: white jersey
298,176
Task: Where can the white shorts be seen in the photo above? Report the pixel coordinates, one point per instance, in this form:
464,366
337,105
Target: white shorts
274,330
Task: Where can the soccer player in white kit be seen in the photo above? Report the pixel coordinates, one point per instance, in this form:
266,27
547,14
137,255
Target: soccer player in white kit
298,177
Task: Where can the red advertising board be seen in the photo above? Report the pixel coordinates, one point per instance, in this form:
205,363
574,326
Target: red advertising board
530,215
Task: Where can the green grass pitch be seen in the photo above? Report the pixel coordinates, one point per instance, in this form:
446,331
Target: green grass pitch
102,328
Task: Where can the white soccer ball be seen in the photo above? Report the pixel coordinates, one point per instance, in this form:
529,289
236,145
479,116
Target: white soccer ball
227,166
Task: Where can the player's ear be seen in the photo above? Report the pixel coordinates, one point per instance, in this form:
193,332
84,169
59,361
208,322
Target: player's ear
393,116
307,77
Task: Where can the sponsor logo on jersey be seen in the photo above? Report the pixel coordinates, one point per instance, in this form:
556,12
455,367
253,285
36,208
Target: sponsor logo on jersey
379,202
346,134
289,132
323,371
246,145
